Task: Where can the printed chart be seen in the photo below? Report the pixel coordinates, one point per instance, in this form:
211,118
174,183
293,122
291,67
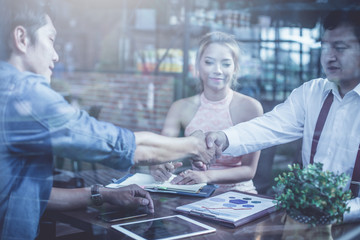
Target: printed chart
230,206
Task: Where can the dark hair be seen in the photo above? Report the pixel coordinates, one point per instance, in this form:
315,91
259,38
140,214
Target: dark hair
336,18
31,14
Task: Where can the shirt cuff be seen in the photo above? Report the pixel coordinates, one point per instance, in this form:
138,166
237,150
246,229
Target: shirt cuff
354,214
233,140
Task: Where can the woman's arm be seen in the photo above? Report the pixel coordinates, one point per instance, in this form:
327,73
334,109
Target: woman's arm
179,115
171,128
172,124
241,173
176,119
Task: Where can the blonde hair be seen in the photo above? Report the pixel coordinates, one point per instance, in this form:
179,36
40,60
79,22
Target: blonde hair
222,39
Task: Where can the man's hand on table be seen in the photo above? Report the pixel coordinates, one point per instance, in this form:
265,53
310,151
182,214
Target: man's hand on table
131,196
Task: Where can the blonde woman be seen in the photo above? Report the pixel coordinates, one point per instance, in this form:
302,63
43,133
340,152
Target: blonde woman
216,107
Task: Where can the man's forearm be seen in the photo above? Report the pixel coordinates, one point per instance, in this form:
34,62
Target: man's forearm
154,149
67,199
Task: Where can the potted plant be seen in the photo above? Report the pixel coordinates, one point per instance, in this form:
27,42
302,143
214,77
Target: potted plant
312,196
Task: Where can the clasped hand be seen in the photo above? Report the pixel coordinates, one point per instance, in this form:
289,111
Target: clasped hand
209,149
216,141
208,153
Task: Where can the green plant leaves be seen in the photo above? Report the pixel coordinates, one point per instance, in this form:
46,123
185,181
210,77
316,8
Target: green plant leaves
313,193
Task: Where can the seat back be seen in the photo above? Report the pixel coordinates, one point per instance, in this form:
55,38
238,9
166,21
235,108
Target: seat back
263,178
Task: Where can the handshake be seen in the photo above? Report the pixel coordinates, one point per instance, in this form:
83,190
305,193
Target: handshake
205,149
211,147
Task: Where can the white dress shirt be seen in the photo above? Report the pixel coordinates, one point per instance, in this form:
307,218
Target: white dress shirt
296,118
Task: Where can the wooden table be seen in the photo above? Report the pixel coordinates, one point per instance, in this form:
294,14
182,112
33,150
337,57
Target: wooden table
268,227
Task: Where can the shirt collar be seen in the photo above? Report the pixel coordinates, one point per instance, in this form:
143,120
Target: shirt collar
11,68
332,86
357,89
4,64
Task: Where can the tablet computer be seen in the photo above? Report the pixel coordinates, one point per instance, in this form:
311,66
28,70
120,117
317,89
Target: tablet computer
166,228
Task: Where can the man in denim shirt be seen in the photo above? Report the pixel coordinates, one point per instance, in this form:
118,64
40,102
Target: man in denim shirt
37,123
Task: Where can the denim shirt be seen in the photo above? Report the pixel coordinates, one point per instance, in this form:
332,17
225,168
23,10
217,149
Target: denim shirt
35,124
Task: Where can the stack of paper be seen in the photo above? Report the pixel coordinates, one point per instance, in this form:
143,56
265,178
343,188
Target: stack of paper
147,182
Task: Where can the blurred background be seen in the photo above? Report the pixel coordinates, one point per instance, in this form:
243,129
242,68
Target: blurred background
126,61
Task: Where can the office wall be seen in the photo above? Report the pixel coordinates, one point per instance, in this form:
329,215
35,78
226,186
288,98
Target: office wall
136,102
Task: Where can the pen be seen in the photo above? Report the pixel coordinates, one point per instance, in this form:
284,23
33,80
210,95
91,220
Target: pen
158,190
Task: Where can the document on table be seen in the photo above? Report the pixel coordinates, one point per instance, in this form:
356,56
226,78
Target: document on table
232,208
148,182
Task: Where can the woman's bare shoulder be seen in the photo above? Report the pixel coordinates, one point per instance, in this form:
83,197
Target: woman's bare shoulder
244,108
184,109
242,99
186,103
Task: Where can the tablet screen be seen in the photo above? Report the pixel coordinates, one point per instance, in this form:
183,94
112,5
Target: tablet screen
172,227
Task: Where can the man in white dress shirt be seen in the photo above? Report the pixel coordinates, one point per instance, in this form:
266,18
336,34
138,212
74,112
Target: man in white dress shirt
332,137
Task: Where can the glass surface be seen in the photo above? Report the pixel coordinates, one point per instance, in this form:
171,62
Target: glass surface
163,228
123,214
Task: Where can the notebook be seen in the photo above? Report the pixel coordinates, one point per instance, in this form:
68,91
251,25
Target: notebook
231,209
147,182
